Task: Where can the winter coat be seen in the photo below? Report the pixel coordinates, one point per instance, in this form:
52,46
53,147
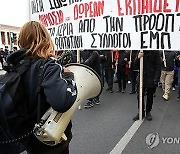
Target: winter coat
133,56
121,60
108,59
177,61
151,67
57,92
91,58
170,58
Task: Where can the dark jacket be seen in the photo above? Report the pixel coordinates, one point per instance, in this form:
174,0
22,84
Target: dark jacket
102,57
151,67
134,54
177,61
54,93
121,60
170,58
108,59
91,58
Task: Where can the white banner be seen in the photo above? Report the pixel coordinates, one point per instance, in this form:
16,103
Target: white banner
110,24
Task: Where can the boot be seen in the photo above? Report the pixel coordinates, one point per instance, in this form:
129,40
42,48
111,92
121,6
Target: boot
165,97
148,116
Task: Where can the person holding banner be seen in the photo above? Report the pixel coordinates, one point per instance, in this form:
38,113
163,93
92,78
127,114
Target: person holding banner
151,76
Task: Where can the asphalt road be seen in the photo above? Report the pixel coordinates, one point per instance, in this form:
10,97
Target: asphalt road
99,129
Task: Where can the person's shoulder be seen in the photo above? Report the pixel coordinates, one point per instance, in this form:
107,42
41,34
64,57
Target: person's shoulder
95,51
46,62
156,52
51,65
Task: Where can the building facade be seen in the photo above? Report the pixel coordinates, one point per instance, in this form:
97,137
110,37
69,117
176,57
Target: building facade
8,36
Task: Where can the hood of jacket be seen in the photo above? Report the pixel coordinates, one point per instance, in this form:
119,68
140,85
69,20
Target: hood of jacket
16,56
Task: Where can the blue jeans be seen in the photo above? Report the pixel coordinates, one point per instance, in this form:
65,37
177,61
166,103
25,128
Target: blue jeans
179,81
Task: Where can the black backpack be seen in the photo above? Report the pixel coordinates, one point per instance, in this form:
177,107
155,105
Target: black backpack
13,107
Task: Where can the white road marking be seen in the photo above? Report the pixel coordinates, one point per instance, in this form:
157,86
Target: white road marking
118,149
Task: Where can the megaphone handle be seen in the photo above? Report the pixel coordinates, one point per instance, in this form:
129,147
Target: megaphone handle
64,138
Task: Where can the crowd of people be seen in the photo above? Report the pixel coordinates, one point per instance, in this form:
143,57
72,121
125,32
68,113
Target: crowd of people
122,67
4,53
160,69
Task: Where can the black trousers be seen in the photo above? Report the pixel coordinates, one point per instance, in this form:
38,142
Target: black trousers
149,101
121,76
102,73
133,76
109,76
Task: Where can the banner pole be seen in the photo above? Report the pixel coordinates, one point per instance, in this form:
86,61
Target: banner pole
130,59
141,87
164,59
29,10
112,58
79,61
78,56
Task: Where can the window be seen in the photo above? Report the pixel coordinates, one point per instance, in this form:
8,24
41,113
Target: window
8,36
3,38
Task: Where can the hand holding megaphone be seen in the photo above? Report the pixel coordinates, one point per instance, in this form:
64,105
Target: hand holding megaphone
89,85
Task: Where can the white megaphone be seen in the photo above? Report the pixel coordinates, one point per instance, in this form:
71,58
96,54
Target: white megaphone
88,82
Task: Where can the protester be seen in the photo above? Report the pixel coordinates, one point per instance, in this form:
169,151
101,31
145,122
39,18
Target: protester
102,61
109,70
175,78
133,71
167,72
14,48
151,75
121,70
177,63
2,56
57,92
91,58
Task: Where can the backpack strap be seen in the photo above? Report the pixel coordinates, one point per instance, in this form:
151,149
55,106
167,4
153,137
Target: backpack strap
24,64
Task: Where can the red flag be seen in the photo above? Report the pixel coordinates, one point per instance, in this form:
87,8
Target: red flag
116,55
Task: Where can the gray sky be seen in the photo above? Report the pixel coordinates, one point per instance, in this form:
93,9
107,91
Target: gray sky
14,12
